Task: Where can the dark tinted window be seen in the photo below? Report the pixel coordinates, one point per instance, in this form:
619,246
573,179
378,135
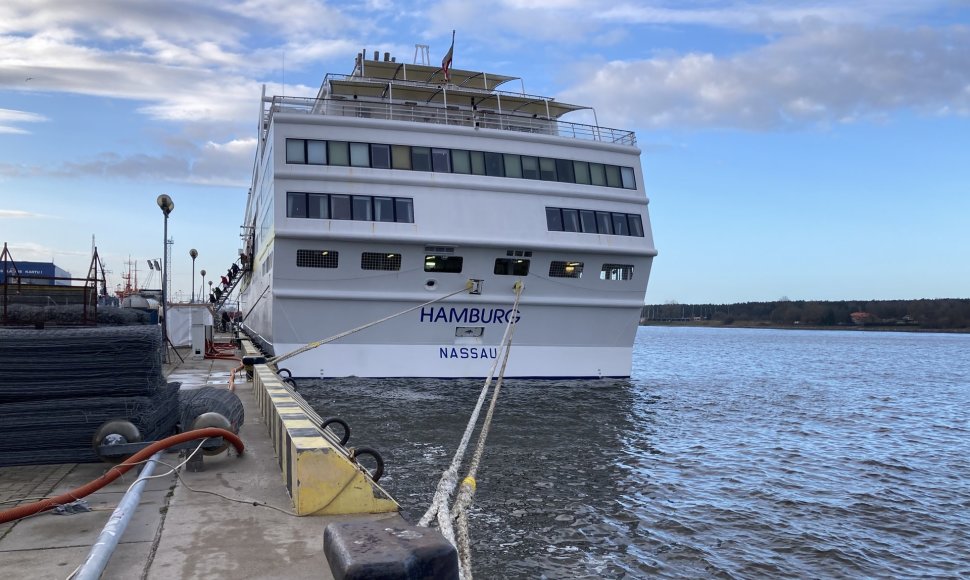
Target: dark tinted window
340,207
554,219
380,156
296,205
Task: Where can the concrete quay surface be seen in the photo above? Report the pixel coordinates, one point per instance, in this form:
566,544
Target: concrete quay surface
178,530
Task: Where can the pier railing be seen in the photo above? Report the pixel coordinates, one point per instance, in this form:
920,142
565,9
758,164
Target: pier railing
445,115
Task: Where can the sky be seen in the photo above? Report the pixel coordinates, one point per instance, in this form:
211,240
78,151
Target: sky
808,150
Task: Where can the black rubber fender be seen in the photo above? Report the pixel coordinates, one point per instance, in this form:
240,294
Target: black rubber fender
378,470
290,381
287,372
330,420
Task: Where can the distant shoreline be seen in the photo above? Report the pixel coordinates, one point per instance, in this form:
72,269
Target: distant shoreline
846,327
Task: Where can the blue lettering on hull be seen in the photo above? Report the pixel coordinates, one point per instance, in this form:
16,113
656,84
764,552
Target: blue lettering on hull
468,315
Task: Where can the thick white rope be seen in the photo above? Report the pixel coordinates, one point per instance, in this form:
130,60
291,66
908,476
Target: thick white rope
446,486
315,344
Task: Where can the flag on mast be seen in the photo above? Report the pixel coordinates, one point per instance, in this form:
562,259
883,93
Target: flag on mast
446,61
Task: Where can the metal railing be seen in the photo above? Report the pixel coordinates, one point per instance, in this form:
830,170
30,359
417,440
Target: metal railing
442,115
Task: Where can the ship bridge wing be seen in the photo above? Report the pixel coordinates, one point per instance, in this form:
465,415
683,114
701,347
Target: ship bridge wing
421,73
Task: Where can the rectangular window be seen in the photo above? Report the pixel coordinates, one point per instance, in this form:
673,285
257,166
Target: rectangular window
295,152
383,209
363,212
613,176
570,220
617,272
511,267
360,155
581,170
478,163
566,269
400,157
530,167
513,165
620,227
564,171
340,207
441,160
316,152
318,206
547,169
404,210
628,177
296,205
597,174
380,261
494,165
447,264
554,219
604,222
421,158
317,258
380,156
338,152
587,221
636,225
461,162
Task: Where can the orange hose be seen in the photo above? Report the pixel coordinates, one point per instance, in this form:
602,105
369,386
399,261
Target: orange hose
117,471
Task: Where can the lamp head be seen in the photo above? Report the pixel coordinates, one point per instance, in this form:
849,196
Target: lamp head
202,272
165,202
194,253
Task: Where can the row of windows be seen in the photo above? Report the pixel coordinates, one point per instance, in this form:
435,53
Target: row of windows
334,206
453,264
381,156
593,222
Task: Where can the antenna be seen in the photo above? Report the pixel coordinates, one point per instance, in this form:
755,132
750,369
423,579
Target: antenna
423,52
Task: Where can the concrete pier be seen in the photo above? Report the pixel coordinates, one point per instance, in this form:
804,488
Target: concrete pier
176,532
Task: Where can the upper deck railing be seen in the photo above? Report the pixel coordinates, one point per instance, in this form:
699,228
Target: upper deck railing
442,115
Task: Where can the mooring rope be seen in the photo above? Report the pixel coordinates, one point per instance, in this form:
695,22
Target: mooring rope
315,344
439,509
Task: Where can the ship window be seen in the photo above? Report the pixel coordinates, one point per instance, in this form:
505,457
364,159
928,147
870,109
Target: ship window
617,272
296,205
360,154
613,176
421,158
380,156
340,207
570,220
604,222
318,206
620,227
628,177
478,163
636,225
587,221
547,169
400,157
566,269
511,267
317,258
404,210
597,173
383,209
447,264
316,152
564,171
530,167
339,155
493,164
554,219
363,212
380,261
513,165
460,161
441,160
581,170
295,152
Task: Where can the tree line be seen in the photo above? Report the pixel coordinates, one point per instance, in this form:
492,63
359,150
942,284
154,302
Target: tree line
943,313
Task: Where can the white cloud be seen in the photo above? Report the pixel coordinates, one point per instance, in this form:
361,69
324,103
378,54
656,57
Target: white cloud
16,214
9,117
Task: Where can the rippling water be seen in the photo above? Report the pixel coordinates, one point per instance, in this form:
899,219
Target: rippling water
730,453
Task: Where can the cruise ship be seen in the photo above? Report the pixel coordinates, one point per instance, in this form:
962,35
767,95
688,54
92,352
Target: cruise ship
401,184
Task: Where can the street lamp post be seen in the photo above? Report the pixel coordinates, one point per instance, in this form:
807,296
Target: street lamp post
210,287
193,253
167,205
202,289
